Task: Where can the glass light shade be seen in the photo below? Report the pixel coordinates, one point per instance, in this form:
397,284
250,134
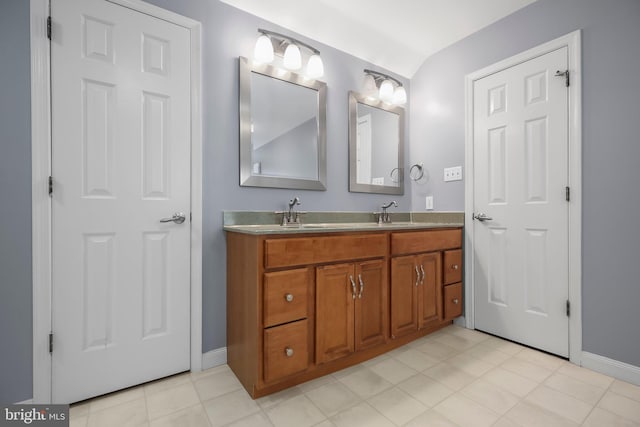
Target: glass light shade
263,51
386,91
400,96
292,58
315,67
369,88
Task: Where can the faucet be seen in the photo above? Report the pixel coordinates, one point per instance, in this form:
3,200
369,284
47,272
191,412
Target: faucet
291,216
383,217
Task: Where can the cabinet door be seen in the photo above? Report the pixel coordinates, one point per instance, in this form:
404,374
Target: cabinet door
335,292
404,281
372,307
429,289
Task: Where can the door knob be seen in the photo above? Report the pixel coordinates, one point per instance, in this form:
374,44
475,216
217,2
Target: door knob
177,217
482,217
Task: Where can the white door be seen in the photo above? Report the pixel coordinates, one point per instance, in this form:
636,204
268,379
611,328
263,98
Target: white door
363,149
120,163
520,158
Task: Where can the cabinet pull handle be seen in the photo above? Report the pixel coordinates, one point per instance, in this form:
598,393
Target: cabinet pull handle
422,271
417,276
455,301
361,286
455,266
288,297
353,287
288,351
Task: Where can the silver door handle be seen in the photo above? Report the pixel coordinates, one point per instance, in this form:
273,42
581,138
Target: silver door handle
353,287
482,217
361,286
177,217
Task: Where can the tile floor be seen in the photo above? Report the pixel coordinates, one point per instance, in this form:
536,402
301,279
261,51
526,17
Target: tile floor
454,377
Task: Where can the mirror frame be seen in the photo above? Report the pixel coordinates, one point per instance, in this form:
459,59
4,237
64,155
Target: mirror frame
355,99
247,179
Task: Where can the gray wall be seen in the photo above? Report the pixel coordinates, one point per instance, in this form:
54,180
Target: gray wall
15,203
611,146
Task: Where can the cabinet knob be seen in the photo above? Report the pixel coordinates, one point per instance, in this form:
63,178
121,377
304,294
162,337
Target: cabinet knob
288,297
455,301
288,351
455,266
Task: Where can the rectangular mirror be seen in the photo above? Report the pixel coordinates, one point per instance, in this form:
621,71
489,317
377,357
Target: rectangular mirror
282,129
376,146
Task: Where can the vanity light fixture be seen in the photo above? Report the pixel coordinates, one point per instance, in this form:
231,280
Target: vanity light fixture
270,43
383,87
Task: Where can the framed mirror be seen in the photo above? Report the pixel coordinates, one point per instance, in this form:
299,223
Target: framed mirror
282,129
376,146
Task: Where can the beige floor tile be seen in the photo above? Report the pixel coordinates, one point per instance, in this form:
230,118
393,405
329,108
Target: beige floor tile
397,406
325,423
468,334
426,390
560,403
230,407
506,422
166,383
568,385
216,384
451,377
350,370
365,383
361,415
259,419
601,418
116,398
129,414
488,354
526,369
539,358
416,359
624,388
171,400
333,397
528,415
393,371
79,421
437,350
621,405
194,416
296,412
79,410
510,381
585,375
471,365
465,412
430,418
491,396
457,342
270,400
318,382
503,345
380,358
216,369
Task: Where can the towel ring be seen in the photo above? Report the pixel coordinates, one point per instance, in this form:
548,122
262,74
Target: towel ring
416,172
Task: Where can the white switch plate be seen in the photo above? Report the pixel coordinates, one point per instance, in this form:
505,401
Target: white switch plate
453,174
428,204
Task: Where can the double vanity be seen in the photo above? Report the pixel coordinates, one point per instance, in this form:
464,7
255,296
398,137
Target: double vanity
335,290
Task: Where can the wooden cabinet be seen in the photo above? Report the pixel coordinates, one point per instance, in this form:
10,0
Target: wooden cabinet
351,308
305,305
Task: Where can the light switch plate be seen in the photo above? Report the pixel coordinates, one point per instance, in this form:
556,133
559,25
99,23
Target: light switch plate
428,204
453,174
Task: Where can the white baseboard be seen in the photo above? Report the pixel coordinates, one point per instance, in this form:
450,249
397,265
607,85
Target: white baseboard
620,370
214,358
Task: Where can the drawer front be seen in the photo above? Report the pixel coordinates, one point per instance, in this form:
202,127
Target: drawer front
452,266
452,301
286,296
425,241
317,250
286,350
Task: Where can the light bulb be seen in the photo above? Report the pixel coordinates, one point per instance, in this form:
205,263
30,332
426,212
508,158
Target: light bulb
400,96
315,67
386,91
369,88
263,52
292,58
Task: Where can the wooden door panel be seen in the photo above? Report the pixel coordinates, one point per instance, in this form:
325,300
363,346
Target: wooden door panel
404,318
429,290
372,306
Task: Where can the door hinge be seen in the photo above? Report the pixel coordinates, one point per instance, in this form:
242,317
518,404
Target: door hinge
568,308
567,193
49,28
51,342
50,186
564,73
190,216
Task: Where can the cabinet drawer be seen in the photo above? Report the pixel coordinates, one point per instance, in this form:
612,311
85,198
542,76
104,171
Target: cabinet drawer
286,350
285,296
452,266
425,241
452,301
317,250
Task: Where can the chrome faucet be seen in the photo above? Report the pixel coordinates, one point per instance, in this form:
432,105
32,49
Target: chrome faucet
291,216
384,217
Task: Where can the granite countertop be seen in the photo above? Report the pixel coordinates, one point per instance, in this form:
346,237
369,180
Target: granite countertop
259,223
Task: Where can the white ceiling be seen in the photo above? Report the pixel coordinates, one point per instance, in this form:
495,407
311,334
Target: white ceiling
397,35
